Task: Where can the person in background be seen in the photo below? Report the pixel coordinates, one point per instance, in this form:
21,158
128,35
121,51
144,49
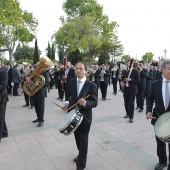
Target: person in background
3,101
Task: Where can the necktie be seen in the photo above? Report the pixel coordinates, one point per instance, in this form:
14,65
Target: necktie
167,96
78,86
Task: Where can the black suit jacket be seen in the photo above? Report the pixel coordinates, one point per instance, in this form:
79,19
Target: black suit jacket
134,80
3,86
156,96
91,102
107,77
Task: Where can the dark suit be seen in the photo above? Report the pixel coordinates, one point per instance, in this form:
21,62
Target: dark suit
130,93
3,102
96,78
81,134
141,89
115,77
156,96
39,98
71,74
104,83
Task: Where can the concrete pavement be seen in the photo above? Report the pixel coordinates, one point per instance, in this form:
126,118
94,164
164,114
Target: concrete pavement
114,143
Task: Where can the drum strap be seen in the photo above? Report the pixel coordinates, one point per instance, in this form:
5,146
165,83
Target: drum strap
83,96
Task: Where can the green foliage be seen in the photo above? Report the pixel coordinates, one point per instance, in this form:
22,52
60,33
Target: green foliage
148,57
126,58
36,53
26,60
16,25
24,52
53,52
88,30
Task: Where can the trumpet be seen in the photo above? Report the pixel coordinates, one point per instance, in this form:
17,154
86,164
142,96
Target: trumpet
102,73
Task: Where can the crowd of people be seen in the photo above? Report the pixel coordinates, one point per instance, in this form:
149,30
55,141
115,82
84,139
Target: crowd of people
134,80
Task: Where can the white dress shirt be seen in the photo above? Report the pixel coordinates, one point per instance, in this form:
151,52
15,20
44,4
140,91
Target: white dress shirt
163,89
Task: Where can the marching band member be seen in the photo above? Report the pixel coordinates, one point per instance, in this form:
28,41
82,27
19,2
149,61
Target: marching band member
104,81
77,94
160,95
129,84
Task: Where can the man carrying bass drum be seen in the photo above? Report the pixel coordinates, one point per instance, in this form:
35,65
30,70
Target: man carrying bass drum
78,89
160,94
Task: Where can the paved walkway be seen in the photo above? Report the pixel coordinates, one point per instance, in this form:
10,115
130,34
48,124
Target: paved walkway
114,143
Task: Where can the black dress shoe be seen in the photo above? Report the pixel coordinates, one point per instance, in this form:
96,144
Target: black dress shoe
32,107
126,116
25,105
40,124
35,121
58,98
141,110
131,120
4,135
137,108
61,99
160,166
75,159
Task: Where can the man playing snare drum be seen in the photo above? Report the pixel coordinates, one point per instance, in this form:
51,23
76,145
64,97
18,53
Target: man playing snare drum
160,94
78,89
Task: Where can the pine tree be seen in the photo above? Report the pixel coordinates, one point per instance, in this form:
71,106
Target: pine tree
49,51
53,52
36,53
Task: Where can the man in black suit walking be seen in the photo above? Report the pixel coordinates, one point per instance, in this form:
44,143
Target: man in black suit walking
3,101
158,95
129,84
85,107
104,81
39,99
69,74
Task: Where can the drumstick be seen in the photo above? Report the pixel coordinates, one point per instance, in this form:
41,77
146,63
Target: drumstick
76,103
153,117
57,105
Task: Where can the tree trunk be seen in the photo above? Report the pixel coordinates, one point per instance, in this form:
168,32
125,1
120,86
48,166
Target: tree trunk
11,58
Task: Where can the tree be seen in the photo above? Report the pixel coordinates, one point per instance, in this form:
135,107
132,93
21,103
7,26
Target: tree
126,58
16,26
53,52
49,51
24,52
85,28
148,57
36,53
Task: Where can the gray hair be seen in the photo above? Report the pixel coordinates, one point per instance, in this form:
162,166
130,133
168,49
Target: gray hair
165,63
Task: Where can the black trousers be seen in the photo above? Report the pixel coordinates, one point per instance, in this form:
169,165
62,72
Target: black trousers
3,127
103,88
114,81
141,91
81,137
15,90
29,100
39,103
161,151
65,91
129,101
9,87
60,90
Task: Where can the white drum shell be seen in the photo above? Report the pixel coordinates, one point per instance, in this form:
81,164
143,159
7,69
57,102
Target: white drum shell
162,127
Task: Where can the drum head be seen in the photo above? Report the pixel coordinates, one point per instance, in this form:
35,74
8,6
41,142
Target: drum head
162,126
67,119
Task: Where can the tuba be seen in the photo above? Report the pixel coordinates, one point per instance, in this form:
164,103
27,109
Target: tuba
29,87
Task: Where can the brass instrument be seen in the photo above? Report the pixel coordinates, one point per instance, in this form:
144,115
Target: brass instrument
88,74
29,87
102,73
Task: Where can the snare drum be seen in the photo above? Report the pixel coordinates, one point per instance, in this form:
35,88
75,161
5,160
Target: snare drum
162,127
71,122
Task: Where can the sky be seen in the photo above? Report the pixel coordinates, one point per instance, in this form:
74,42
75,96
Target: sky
144,25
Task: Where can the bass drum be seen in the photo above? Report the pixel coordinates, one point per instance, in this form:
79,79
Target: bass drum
71,122
162,127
